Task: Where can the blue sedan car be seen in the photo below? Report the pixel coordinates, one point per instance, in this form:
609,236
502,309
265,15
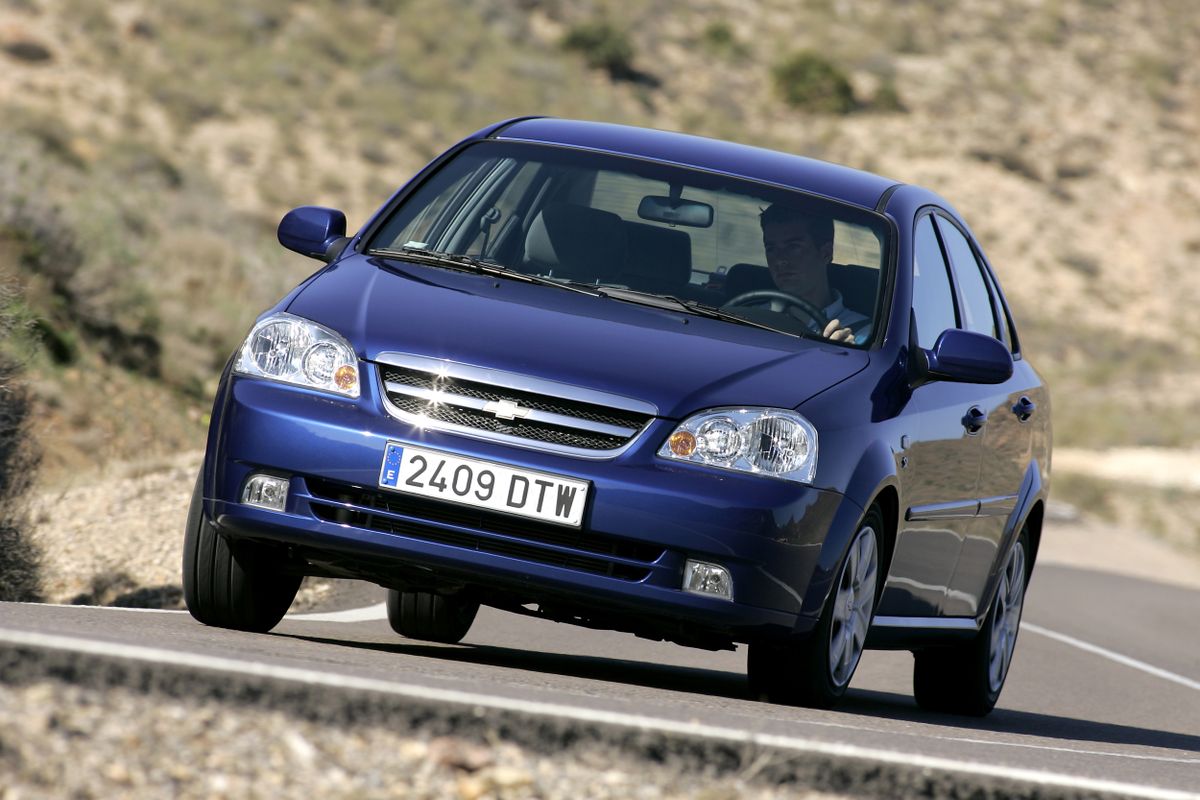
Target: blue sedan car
649,382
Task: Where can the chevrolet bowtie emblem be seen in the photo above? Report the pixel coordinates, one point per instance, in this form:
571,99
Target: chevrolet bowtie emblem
506,409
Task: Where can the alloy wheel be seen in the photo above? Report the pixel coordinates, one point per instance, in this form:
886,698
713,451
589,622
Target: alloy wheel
1009,599
853,606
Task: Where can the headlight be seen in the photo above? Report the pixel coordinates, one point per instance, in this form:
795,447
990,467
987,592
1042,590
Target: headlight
293,350
762,441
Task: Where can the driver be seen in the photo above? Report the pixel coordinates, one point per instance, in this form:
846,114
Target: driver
799,250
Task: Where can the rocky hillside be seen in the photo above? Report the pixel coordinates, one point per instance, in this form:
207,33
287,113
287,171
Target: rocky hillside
148,149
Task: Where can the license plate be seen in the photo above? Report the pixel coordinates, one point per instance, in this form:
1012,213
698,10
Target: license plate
483,484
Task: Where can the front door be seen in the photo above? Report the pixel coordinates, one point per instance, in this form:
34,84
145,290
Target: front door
941,491
939,481
1006,438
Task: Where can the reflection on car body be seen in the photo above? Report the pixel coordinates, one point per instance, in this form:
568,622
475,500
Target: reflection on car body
644,381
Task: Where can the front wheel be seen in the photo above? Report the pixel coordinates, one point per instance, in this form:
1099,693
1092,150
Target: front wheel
815,671
429,616
967,679
226,587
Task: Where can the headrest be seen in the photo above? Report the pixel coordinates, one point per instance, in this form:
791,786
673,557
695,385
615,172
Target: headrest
576,242
660,259
742,278
859,286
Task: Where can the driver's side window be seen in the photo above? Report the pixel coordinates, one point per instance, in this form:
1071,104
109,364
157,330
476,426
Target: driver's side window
933,296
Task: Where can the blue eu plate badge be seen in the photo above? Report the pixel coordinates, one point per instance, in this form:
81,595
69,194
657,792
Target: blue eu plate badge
390,474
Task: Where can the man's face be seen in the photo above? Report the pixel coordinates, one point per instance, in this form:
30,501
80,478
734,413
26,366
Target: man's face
796,262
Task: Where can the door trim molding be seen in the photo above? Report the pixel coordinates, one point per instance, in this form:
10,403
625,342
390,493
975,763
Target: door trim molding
957,509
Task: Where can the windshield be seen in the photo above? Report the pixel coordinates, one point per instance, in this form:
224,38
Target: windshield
795,263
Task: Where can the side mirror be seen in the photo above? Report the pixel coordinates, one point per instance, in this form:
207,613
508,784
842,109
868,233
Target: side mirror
963,357
314,231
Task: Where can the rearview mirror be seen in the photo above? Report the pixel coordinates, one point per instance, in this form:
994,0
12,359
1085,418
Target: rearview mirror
691,213
314,231
963,357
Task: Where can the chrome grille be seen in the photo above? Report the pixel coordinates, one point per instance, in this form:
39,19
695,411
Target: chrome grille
512,408
482,391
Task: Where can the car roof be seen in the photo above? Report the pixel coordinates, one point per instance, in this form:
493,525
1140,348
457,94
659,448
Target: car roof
756,163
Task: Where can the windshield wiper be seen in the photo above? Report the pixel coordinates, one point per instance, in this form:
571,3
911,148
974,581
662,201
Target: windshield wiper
689,306
481,266
488,267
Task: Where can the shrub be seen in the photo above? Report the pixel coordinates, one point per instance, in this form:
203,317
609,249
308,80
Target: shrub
29,50
887,97
603,47
719,38
810,82
20,560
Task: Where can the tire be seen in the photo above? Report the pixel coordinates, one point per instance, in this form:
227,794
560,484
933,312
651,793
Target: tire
967,679
816,670
431,617
229,587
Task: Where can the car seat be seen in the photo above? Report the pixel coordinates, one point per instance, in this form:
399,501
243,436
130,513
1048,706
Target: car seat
658,259
576,242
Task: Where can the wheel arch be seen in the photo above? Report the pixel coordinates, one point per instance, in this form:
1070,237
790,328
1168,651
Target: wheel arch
1029,516
888,500
873,482
1033,523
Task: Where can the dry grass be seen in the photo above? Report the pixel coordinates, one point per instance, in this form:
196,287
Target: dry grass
20,558
1167,513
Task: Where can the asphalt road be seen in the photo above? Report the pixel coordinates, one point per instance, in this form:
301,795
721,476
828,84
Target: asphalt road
1105,684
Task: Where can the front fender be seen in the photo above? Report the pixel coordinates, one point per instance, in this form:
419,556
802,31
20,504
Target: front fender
872,476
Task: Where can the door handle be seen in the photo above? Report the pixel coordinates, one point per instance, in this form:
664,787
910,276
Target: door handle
1024,409
974,419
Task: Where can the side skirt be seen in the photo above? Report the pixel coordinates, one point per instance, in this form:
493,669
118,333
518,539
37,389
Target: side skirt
905,633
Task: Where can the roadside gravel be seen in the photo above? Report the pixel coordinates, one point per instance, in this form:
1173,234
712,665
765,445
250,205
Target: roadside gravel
63,740
116,538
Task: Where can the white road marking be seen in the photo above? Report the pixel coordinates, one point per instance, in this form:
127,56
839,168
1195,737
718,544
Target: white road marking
1110,655
153,655
110,608
352,615
1074,750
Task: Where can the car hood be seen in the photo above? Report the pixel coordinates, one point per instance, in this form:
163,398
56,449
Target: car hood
679,362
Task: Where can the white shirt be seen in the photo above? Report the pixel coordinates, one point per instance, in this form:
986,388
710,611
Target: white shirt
846,317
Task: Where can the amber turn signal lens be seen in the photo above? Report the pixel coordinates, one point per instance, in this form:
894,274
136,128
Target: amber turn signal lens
682,443
345,377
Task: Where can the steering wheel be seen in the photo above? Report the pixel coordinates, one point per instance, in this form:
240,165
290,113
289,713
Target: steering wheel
779,302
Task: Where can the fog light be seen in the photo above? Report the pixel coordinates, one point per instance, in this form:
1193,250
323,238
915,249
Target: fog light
711,579
266,491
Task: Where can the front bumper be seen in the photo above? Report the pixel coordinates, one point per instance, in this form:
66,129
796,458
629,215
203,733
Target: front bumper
645,518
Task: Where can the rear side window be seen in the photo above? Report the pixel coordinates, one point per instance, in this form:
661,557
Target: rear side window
977,314
1007,334
933,298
